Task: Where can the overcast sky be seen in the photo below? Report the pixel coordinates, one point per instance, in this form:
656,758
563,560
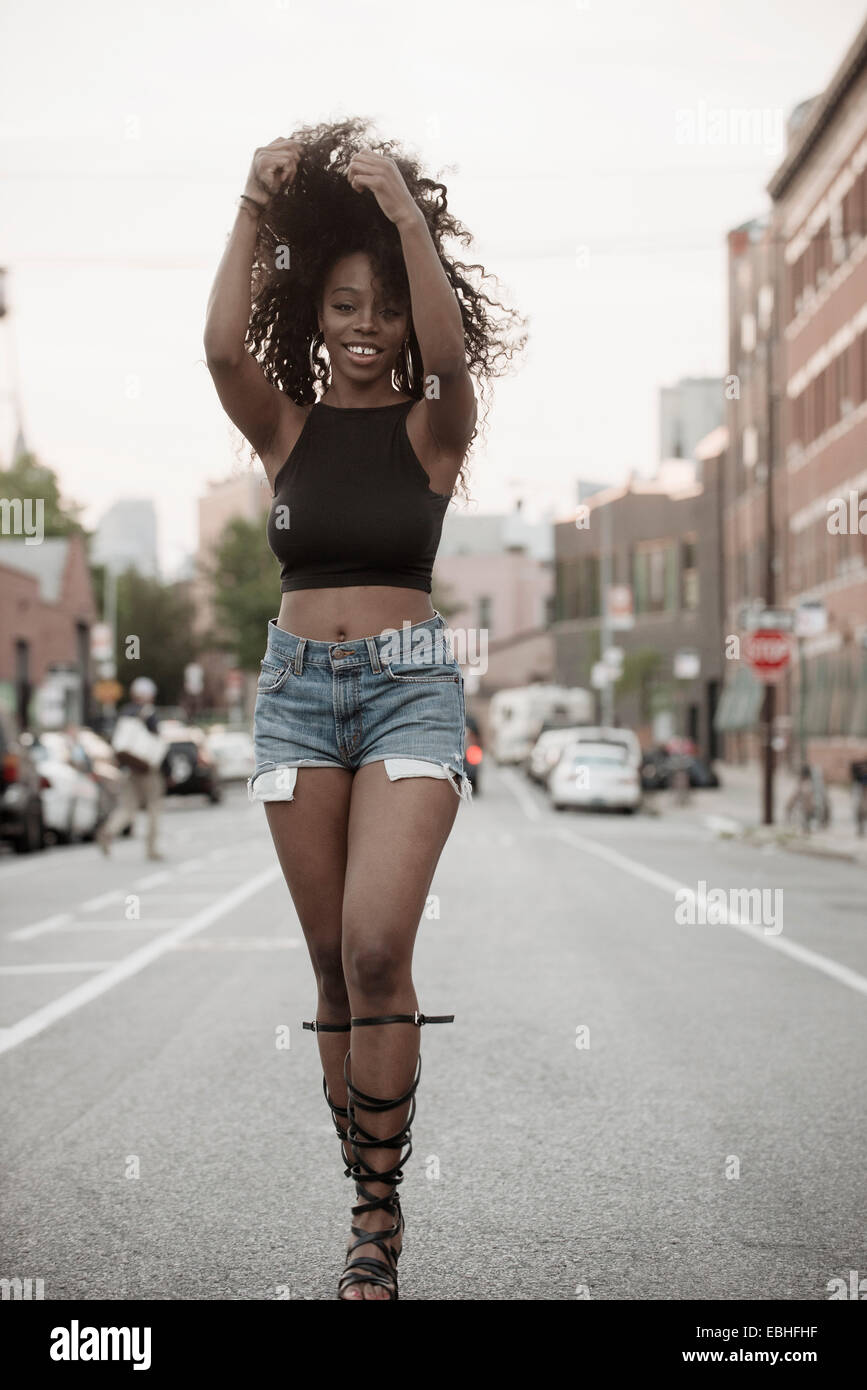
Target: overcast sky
127,131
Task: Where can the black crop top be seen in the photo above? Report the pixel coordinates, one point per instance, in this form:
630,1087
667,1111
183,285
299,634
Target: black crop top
353,505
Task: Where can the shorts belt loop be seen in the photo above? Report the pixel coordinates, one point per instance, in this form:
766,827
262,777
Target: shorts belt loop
373,653
299,655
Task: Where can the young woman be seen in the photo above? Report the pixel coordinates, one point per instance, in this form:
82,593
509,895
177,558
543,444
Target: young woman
360,719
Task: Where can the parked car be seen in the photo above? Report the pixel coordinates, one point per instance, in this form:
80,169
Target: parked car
624,738
189,767
71,801
21,822
233,753
473,754
595,775
545,753
658,765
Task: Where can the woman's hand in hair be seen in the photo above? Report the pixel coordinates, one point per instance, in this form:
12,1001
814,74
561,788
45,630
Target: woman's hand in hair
382,177
274,167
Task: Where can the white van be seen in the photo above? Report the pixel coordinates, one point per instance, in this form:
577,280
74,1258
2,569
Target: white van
516,716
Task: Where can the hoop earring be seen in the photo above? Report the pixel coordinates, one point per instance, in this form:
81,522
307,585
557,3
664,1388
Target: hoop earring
318,369
407,366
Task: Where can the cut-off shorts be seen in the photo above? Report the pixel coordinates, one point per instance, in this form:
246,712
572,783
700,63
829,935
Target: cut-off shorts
396,697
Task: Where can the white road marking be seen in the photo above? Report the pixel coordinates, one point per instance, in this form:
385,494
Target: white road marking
522,793
13,865
94,904
841,973
38,928
151,880
60,968
91,989
239,943
124,925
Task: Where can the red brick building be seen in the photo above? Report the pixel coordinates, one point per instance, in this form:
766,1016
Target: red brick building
820,229
47,608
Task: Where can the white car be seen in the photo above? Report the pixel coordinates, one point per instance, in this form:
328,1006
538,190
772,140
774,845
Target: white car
70,792
545,753
233,753
627,738
595,775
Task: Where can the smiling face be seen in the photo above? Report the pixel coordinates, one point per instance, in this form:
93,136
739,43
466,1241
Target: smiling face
364,327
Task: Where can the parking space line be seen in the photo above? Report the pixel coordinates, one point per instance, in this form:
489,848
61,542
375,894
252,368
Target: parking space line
38,928
152,880
136,961
94,904
122,925
55,968
803,954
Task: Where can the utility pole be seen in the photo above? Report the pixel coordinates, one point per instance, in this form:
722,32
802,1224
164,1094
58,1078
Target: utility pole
607,692
769,706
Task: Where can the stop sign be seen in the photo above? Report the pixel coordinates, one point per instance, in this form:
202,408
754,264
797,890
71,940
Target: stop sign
768,651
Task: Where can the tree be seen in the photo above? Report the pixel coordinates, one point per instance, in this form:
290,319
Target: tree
640,668
246,585
155,633
28,478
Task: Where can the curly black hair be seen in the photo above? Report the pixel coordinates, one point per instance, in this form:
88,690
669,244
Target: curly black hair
319,218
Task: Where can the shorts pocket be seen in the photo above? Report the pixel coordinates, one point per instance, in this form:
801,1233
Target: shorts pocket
413,672
272,675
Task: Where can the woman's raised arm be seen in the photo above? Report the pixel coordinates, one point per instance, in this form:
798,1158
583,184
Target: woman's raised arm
248,398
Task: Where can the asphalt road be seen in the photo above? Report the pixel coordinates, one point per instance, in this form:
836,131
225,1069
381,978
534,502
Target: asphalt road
628,1106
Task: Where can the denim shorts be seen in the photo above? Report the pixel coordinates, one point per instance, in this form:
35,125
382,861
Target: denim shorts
396,697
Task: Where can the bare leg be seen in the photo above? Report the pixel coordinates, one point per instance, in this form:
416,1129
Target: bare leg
396,834
309,834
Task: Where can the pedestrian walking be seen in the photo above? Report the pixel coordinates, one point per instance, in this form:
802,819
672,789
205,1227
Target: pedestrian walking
343,342
139,751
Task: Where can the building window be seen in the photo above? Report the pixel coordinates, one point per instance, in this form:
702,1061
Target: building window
655,577
766,307
748,332
750,446
689,573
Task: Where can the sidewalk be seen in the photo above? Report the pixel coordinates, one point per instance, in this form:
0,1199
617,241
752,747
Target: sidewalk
735,808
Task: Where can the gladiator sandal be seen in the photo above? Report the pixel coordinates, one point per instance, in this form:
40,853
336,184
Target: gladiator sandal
367,1269
336,1110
